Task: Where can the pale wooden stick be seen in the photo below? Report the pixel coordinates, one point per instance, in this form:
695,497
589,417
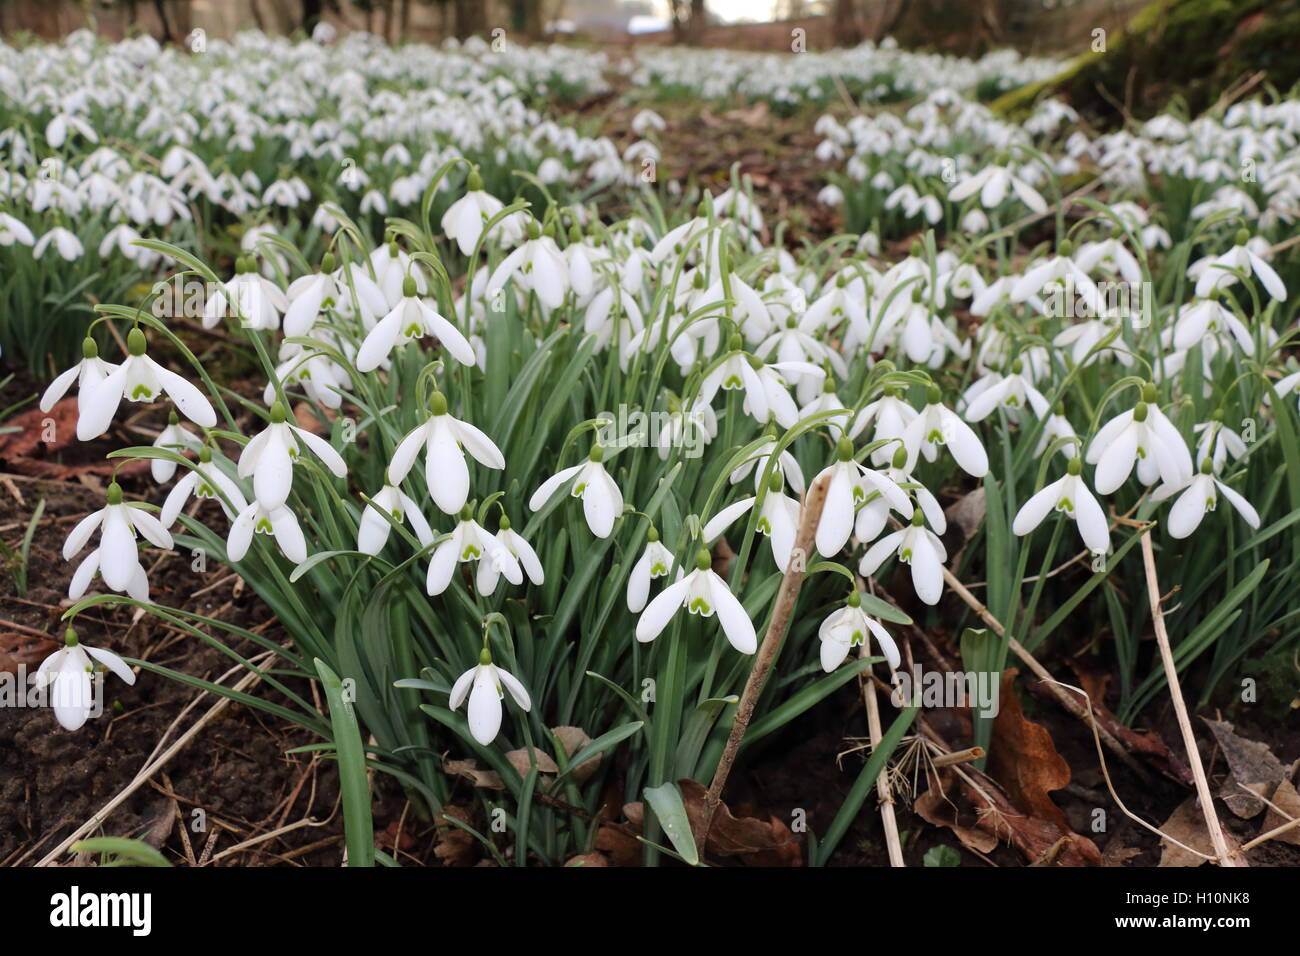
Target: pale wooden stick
892,840
814,502
1180,707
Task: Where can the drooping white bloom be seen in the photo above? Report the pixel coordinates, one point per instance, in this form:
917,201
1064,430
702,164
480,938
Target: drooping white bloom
269,457
412,318
204,480
704,593
991,183
87,373
489,573
466,218
786,465
537,265
1013,391
1142,436
66,243
251,297
602,501
67,672
1068,494
778,520
937,425
766,394
850,484
1199,496
116,559
279,522
1221,271
1217,441
445,440
848,628
874,514
482,685
310,295
470,541
138,379
175,437
374,528
891,416
656,561
917,546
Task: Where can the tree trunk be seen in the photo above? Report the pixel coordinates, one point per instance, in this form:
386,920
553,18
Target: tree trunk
846,29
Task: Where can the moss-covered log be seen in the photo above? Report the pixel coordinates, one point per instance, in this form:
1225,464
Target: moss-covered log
1188,50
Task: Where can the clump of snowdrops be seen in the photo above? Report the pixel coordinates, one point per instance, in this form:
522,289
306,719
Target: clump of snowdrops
512,526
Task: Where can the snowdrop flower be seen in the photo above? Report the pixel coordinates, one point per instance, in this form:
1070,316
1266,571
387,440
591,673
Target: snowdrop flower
445,440
874,514
14,230
917,546
1013,391
778,520
488,571
279,522
1068,494
937,425
67,672
1203,317
1057,271
1141,436
656,561
175,437
250,296
765,390
602,502
309,295
891,416
991,183
482,685
850,484
470,541
412,318
1218,272
1217,441
848,628
466,218
139,379
67,245
1057,426
269,457
87,373
538,266
786,465
704,593
1199,496
374,528
205,480
116,559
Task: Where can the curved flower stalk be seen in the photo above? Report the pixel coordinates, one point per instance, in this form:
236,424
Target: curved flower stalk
482,685
116,559
1070,496
848,628
602,501
704,593
445,440
138,379
270,455
915,545
67,673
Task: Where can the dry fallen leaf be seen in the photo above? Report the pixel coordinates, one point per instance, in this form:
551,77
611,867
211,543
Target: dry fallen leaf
574,739
1286,798
934,806
1253,766
469,770
522,764
1187,825
1024,760
749,839
455,847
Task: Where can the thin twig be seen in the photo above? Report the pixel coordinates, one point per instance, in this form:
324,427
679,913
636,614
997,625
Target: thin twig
814,502
892,840
1180,707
